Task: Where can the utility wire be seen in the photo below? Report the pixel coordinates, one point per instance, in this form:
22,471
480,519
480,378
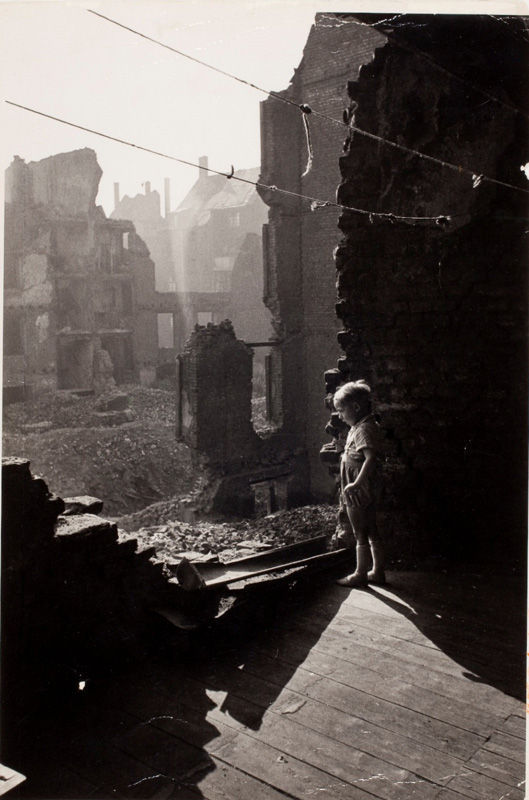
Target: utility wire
474,174
441,219
192,58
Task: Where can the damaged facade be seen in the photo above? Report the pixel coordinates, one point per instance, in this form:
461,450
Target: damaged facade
243,472
79,299
208,251
298,243
434,312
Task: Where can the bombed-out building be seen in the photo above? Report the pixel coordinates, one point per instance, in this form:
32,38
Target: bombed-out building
79,299
208,251
298,242
429,275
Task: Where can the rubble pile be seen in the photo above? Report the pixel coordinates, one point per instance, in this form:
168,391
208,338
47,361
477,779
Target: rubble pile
174,539
128,465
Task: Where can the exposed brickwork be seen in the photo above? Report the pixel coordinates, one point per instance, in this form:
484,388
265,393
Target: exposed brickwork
214,418
435,316
298,244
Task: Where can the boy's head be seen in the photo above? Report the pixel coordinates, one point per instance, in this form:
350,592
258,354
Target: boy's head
353,400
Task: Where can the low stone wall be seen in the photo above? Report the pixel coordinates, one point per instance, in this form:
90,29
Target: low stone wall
77,593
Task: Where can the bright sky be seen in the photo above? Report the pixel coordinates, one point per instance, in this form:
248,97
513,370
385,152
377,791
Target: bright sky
58,58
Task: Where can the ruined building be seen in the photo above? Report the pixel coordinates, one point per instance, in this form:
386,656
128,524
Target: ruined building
79,299
432,311
144,210
208,251
298,243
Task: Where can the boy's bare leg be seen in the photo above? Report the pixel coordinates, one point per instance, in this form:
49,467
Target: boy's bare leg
358,520
376,574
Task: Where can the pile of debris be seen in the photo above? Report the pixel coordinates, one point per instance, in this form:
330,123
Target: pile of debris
120,447
174,540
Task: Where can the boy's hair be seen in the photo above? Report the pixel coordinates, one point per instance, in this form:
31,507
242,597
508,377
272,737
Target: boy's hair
354,392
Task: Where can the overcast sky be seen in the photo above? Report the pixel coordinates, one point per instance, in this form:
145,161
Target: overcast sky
60,59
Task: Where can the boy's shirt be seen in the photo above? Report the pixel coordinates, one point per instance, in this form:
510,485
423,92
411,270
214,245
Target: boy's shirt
366,433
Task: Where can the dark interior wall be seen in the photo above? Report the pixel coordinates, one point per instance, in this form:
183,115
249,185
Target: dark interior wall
434,313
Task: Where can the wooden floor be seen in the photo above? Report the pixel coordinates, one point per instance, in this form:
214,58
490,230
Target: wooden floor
406,691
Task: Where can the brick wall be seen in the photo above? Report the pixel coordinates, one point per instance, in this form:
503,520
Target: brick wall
435,315
299,270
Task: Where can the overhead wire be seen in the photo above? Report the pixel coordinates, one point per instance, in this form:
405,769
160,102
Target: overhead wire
475,175
440,219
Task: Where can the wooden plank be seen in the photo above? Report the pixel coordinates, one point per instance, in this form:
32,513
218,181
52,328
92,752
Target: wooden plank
292,651
399,719
496,766
348,634
252,757
480,787
430,625
327,764
477,610
516,725
249,697
401,630
344,726
408,722
456,712
506,745
467,597
326,752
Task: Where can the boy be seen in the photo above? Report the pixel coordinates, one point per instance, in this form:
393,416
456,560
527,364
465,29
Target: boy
358,480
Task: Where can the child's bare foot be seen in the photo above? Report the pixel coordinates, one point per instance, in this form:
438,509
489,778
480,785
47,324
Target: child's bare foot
377,577
356,580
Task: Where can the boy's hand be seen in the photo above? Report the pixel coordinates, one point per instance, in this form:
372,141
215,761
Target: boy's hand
351,489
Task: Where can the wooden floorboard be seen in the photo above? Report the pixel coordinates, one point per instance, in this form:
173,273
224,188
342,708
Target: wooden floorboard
348,695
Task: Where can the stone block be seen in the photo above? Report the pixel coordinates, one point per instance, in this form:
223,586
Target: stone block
85,526
83,504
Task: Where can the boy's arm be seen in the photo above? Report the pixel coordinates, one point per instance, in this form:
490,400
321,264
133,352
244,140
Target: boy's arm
367,468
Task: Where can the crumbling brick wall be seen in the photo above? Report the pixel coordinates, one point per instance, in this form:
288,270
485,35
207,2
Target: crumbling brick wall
216,395
77,595
297,242
434,314
214,417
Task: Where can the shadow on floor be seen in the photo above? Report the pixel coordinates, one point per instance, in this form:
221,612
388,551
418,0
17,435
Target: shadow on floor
143,731
476,618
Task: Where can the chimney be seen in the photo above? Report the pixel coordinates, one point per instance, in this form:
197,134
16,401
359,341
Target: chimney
167,196
203,167
116,195
147,187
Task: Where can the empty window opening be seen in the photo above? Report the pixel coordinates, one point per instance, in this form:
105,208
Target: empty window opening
165,330
270,495
266,389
